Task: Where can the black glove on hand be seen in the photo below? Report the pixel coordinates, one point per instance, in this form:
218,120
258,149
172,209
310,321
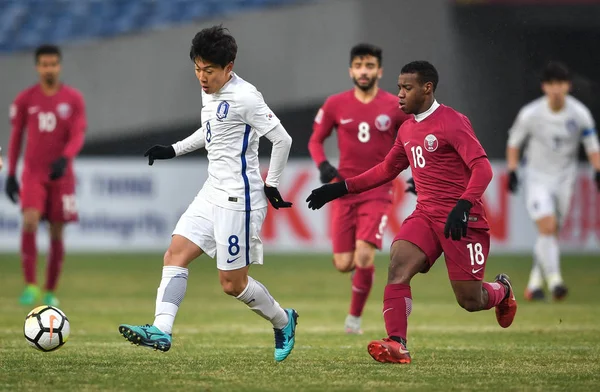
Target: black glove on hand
159,152
328,192
411,186
597,178
57,168
328,172
458,218
12,189
513,181
275,198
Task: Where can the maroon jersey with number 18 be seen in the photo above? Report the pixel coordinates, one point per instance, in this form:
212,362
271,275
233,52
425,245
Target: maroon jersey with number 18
365,133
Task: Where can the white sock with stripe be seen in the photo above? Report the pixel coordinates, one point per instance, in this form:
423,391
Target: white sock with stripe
257,297
169,295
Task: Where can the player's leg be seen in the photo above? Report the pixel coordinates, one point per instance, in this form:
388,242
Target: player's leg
54,264
238,246
370,223
465,261
61,209
193,235
33,204
343,229
414,250
542,208
563,196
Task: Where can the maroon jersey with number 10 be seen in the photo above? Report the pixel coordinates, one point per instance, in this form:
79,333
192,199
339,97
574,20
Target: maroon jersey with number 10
54,125
365,132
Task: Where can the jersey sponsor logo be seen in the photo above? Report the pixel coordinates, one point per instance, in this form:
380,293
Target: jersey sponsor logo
345,121
474,271
222,110
431,143
64,110
12,111
383,122
319,116
229,261
571,125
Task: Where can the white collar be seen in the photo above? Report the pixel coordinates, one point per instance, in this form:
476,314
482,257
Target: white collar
422,116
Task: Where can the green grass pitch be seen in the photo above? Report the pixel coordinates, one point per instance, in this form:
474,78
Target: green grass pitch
220,345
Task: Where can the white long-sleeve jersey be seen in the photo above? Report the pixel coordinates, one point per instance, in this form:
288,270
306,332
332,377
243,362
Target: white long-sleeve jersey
233,120
553,137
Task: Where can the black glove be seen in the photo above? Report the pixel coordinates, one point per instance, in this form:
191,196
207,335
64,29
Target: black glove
328,192
57,168
275,198
12,189
159,152
328,172
458,218
411,186
513,181
597,178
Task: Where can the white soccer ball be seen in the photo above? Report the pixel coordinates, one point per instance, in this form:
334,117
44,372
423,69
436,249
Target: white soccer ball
46,328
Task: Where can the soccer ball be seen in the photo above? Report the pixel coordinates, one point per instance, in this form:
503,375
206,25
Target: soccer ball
46,328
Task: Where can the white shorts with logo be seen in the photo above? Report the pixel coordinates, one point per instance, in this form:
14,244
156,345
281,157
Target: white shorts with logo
546,199
230,235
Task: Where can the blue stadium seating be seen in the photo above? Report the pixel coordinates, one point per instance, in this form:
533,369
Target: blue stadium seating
25,24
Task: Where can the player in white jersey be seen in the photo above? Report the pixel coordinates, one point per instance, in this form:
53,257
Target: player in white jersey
554,125
225,218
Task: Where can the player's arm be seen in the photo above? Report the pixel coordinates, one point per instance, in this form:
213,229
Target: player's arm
18,117
76,137
322,128
264,122
591,145
1,163
465,143
394,163
191,143
516,137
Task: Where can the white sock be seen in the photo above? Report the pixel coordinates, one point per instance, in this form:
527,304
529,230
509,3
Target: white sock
169,295
257,297
548,256
536,279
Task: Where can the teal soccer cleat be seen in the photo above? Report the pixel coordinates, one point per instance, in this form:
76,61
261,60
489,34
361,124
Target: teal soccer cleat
147,336
286,338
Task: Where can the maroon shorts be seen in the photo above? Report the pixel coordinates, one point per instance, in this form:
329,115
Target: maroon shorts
358,221
55,200
465,259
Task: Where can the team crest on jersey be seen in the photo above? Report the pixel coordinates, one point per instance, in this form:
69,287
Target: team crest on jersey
431,143
64,110
222,110
269,116
571,125
383,122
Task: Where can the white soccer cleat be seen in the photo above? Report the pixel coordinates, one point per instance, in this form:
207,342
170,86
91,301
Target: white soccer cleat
352,325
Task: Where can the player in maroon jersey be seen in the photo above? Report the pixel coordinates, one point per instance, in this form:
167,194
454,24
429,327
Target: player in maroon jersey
451,171
366,119
53,116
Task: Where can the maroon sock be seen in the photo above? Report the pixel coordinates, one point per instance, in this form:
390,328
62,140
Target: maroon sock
28,256
362,281
55,262
496,293
397,305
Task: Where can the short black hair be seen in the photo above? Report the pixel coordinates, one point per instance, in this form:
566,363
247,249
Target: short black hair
214,44
425,70
555,71
366,50
47,49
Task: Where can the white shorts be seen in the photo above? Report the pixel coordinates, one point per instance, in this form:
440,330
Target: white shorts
548,200
232,236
